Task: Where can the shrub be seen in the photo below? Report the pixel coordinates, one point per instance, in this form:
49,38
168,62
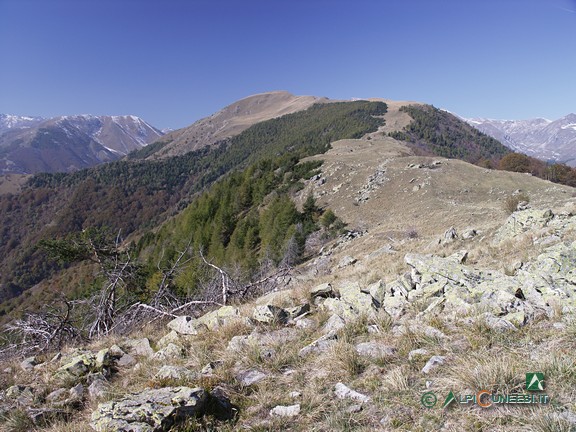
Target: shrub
511,203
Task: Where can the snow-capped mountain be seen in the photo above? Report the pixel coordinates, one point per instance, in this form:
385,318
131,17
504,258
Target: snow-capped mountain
540,138
68,143
8,121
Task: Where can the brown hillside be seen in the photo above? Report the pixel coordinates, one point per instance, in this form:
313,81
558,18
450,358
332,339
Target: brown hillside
234,119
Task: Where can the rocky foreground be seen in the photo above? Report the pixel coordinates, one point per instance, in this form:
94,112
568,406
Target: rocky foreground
338,355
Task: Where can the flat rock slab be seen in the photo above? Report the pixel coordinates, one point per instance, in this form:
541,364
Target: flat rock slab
285,410
375,350
154,410
250,377
344,392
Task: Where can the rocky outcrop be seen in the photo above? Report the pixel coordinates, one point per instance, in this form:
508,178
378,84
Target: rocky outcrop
153,410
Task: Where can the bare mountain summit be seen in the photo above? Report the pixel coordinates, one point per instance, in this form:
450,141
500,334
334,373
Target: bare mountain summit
540,138
234,119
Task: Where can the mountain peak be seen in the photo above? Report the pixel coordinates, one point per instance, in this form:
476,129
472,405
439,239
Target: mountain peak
234,119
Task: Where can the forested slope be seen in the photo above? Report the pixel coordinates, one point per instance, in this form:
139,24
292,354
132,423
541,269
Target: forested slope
135,196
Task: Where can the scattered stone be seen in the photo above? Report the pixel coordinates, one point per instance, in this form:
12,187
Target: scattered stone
150,410
347,261
250,377
285,411
237,343
344,392
319,345
97,389
139,347
295,394
175,373
220,405
449,236
497,323
211,367
126,360
169,338
184,325
76,393
219,317
116,352
353,409
171,351
22,395
304,323
297,311
322,290
375,350
334,323
269,314
469,233
433,363
28,363
373,329
420,352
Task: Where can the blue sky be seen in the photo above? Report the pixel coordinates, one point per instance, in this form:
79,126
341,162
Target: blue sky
172,62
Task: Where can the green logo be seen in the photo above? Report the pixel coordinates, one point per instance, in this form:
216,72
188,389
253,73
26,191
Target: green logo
428,399
449,399
535,381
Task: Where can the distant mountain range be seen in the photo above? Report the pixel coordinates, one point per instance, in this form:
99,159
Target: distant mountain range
68,143
543,139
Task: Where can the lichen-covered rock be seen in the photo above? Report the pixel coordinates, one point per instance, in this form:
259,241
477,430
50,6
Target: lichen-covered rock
78,367
170,338
184,325
154,410
97,389
375,350
296,311
170,351
139,347
219,317
319,345
322,290
361,303
334,323
269,314
522,221
377,291
175,373
20,394
341,308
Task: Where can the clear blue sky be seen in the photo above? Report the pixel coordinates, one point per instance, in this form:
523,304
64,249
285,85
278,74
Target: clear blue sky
172,62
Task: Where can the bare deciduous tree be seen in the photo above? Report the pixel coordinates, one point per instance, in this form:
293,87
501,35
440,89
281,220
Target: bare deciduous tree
49,329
